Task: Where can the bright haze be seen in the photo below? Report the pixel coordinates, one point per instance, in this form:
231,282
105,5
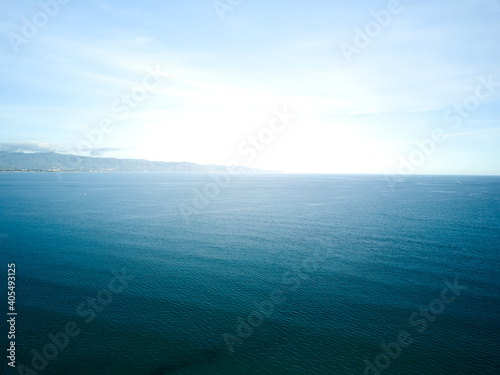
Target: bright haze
295,86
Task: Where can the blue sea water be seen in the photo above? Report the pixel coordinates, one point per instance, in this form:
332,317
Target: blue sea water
275,274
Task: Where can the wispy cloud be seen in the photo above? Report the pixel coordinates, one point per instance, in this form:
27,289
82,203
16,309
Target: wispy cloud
29,147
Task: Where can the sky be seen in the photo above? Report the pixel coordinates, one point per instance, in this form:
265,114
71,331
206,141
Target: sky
318,86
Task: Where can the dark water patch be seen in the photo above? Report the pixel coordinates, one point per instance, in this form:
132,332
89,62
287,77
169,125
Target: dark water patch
187,360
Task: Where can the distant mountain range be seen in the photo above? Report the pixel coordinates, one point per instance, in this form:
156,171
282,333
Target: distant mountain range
54,162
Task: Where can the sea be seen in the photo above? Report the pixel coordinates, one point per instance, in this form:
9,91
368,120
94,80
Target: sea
283,274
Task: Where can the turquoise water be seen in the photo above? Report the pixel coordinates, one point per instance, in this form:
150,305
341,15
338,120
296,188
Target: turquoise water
277,274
